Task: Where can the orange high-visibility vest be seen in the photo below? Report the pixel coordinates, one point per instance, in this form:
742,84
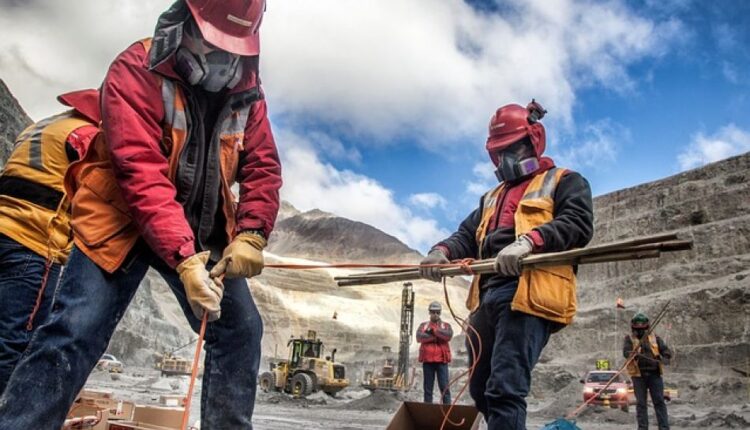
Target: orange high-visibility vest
33,206
547,292
633,369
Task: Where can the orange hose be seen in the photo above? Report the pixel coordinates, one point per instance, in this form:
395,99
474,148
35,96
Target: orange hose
194,374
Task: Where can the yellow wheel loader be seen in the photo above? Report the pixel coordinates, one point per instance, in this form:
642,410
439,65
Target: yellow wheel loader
305,371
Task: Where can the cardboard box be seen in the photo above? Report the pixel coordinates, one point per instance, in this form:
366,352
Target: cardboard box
118,409
426,416
80,411
172,400
96,394
159,415
97,402
122,410
135,425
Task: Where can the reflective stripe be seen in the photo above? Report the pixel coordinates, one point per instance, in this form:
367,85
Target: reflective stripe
34,136
548,186
173,116
167,96
235,123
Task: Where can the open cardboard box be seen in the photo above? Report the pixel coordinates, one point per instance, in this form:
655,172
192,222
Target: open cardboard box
135,425
159,416
118,409
81,411
427,416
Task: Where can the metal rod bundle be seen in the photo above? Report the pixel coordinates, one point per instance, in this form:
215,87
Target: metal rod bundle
631,249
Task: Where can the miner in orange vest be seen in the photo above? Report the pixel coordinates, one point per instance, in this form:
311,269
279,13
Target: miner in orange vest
183,119
537,207
35,237
646,369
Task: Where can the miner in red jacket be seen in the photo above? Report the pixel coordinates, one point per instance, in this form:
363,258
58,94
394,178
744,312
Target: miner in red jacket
435,353
183,118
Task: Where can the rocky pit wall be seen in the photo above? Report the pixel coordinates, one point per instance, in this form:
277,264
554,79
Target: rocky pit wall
13,120
708,319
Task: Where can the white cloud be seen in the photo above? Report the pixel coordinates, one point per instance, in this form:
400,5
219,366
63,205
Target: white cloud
440,67
728,141
311,183
594,145
70,46
377,69
428,200
483,179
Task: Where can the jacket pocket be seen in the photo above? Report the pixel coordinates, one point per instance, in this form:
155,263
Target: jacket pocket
533,213
98,210
552,291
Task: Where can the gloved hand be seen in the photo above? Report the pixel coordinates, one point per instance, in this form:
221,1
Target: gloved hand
507,262
203,293
243,258
429,330
435,256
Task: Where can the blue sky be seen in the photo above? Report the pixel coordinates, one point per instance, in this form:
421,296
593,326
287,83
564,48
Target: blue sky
380,108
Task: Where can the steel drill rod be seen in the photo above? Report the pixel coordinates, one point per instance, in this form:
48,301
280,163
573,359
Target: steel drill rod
632,250
541,259
598,249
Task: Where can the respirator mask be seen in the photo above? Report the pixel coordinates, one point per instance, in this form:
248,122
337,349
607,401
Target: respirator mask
200,64
517,161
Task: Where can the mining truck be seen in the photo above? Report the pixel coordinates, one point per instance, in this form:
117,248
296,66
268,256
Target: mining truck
305,371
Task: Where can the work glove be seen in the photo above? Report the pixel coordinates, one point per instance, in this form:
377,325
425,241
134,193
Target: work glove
243,258
435,256
508,260
203,293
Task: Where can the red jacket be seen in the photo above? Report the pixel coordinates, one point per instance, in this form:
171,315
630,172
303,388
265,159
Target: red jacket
133,116
434,338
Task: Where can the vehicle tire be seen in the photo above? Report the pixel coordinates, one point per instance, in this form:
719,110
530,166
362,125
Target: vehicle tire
302,385
267,382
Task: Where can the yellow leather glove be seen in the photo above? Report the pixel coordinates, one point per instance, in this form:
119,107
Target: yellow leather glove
203,293
243,258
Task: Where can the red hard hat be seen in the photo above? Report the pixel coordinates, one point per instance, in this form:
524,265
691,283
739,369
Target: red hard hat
231,25
512,123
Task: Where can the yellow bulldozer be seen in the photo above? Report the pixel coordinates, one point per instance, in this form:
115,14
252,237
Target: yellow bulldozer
305,371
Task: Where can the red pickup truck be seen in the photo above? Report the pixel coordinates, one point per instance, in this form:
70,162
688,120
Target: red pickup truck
617,395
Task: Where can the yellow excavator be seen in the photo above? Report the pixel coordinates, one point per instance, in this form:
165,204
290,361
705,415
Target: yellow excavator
305,371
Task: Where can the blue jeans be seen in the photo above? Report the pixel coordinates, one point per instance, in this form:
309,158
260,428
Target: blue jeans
654,384
88,305
430,370
21,276
511,345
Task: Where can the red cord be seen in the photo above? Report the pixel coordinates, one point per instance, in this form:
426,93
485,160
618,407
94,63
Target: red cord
40,294
476,352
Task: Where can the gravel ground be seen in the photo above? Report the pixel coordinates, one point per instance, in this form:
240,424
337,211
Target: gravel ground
356,409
